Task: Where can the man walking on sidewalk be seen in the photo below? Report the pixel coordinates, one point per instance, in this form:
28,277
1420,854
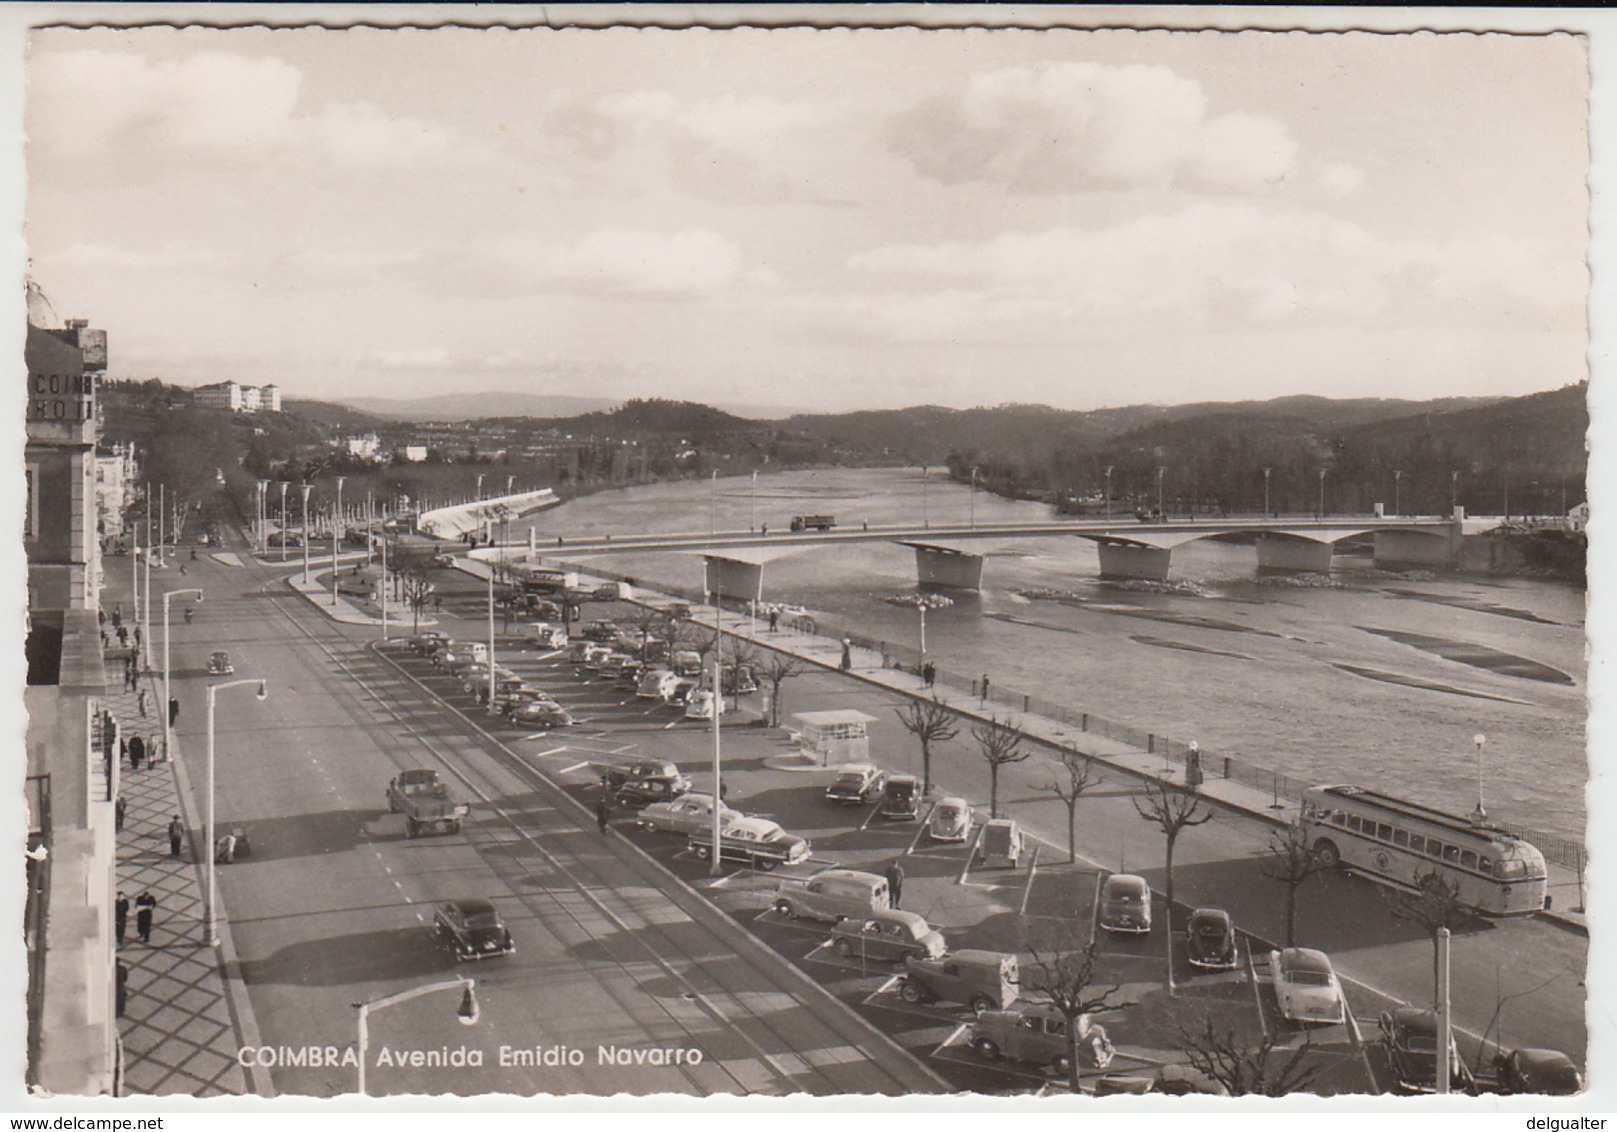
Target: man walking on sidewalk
140,703
895,883
118,808
120,916
173,710
145,905
176,836
137,752
603,813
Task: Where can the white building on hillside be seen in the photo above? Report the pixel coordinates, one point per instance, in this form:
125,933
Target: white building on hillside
238,398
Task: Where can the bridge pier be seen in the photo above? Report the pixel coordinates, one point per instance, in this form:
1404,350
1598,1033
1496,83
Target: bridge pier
938,567
1415,548
1279,554
1120,560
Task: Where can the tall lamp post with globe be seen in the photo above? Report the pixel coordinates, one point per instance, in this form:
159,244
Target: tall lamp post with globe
1481,813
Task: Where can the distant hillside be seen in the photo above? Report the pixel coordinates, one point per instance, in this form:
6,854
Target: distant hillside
333,415
545,406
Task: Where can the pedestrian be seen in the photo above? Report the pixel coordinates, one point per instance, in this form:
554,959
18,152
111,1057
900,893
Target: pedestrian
603,813
176,836
895,883
117,616
118,808
774,619
123,637
123,749
137,752
140,703
145,907
765,529
122,996
867,524
225,851
101,617
104,640
120,916
847,654
929,673
985,687
137,638
173,710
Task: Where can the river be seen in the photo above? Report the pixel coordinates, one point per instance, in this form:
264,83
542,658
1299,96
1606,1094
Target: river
1379,679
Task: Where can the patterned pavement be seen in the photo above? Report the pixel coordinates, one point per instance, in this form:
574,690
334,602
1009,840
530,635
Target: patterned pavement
178,1033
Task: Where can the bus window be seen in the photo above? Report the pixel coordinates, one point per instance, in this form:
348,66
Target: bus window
1485,865
1417,843
1509,870
1338,817
1400,838
1384,831
1434,848
1353,822
1468,859
1451,854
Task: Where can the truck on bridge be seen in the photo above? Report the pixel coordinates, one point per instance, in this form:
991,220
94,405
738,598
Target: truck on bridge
813,522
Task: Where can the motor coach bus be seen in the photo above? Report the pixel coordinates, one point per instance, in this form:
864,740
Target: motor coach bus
1394,842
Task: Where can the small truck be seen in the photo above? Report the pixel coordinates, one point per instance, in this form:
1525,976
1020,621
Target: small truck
425,802
813,522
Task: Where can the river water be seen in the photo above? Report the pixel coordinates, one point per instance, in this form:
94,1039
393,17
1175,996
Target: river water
1379,679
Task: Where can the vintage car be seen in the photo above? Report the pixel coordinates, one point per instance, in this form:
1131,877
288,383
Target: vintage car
1306,988
1543,1072
681,692
685,814
503,686
950,820
600,631
1001,844
641,781
890,936
1210,940
1036,1032
703,704
507,702
219,664
900,798
754,841
538,713
982,980
1125,904
595,656
471,928
858,782
1409,1038
613,663
656,684
424,643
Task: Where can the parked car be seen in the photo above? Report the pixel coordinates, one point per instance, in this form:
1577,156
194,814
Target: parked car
1409,1037
1543,1072
656,684
703,704
607,591
640,781
612,664
219,664
1036,1032
545,635
595,656
982,980
890,936
503,686
950,820
507,702
901,798
1210,940
423,644
755,841
538,713
682,691
1305,984
858,782
1001,844
1125,904
579,649
832,895
599,631
686,663
471,928
685,814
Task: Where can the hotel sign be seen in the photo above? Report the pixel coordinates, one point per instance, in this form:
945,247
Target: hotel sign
65,397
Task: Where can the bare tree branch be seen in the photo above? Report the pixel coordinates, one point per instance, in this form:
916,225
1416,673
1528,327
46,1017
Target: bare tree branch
1290,860
1069,779
999,743
1172,810
1246,1071
930,721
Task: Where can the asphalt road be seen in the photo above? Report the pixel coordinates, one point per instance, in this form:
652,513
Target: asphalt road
334,905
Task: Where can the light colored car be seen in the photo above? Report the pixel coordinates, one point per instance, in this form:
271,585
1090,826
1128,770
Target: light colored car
685,814
703,704
754,841
656,684
1306,987
950,820
858,782
891,936
595,656
1125,904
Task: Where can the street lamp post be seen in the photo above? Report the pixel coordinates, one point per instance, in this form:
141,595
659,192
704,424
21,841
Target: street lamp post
1109,468
307,487
468,1012
1161,471
1454,491
210,924
752,504
162,709
1479,739
1266,472
973,498
162,543
282,531
146,604
381,585
713,503
926,518
1397,493
491,636
1322,472
262,515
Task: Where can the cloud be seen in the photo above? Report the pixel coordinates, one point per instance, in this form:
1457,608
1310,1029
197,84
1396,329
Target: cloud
424,358
213,106
614,262
170,254
1061,127
1208,266
1337,178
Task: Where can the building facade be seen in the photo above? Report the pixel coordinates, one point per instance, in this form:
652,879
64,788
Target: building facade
238,398
72,1031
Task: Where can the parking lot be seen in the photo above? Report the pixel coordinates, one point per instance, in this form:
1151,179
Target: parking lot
768,774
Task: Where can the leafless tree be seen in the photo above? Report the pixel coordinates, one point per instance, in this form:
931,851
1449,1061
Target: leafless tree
999,744
1062,969
1069,779
649,623
1264,1070
1173,811
930,721
1291,860
415,587
1435,904
742,654
777,668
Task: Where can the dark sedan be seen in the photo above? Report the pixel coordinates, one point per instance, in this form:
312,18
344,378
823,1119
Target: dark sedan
471,929
1210,940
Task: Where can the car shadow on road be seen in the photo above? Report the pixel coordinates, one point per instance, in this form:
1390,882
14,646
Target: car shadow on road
301,835
355,958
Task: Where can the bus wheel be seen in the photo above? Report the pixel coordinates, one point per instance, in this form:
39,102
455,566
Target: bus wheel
1327,854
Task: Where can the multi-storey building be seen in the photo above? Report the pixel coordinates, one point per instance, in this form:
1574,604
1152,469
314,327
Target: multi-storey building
238,398
115,472
72,1025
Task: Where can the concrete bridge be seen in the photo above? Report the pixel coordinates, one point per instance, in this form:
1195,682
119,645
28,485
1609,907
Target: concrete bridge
1128,548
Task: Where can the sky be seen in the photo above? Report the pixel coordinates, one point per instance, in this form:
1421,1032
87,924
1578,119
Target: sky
818,220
